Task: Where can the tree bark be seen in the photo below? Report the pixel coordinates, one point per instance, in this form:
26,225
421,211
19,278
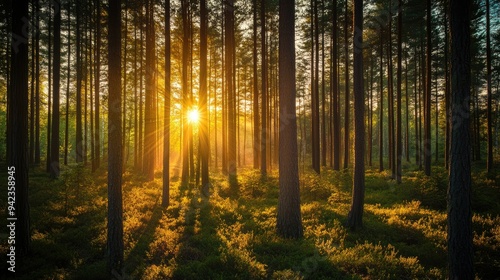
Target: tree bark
115,153
289,222
427,103
17,127
358,189
204,140
54,148
264,132
460,248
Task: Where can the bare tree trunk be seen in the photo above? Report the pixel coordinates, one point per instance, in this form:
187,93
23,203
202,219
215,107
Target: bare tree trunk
264,132
335,93
166,112
149,109
460,248
17,129
399,143
97,77
489,116
289,222
54,148
256,124
358,190
427,103
381,105
347,102
204,140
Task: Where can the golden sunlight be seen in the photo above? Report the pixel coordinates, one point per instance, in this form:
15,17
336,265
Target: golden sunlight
193,116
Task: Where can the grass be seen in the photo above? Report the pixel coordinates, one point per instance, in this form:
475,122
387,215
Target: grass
231,234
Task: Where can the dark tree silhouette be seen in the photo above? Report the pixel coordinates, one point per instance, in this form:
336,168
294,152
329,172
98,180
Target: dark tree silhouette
459,190
17,126
289,223
115,162
358,189
335,93
264,132
256,129
54,148
204,144
427,99
148,164
166,111
399,143
489,115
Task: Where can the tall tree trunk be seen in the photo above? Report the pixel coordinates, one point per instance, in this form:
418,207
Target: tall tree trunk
358,189
335,93
347,104
115,153
79,136
427,103
399,143
150,114
447,96
231,114
17,129
204,122
54,148
37,90
460,248
124,88
489,117
324,147
32,91
97,77
289,222
390,101
417,110
166,112
256,124
66,117
184,84
381,105
49,93
314,88
264,132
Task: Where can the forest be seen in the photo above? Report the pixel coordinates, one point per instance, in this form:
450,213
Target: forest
250,139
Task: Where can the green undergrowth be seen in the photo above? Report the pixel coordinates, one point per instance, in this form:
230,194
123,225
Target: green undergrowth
231,234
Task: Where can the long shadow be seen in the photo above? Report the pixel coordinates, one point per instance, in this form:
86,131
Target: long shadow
139,253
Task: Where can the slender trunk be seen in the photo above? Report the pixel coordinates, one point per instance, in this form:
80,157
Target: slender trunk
37,90
399,143
427,103
358,189
17,129
97,77
79,136
347,104
289,222
381,105
184,81
54,148
166,112
256,127
460,247
335,93
204,123
489,116
66,117
264,134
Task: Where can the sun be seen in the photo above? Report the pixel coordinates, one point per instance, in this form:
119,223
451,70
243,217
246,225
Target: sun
193,116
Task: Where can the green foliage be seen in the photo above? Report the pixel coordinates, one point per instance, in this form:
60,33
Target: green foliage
233,236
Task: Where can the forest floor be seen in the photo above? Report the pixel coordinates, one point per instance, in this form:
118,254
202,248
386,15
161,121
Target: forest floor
231,235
